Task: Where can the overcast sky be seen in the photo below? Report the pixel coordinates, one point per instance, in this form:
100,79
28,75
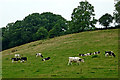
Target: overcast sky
13,10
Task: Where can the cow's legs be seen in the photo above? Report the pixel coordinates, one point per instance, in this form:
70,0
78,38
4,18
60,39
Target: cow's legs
22,60
36,55
69,62
78,62
12,61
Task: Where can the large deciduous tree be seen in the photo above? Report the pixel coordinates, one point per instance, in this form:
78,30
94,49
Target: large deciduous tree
117,13
105,20
82,17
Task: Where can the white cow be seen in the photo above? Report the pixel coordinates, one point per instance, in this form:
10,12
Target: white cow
39,54
17,55
75,59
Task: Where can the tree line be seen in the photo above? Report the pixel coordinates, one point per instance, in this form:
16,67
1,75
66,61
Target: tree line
46,25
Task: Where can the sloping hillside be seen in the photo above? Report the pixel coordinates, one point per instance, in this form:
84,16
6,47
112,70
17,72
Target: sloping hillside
59,49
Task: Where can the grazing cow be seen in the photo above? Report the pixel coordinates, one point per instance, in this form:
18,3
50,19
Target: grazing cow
75,59
46,59
17,55
109,53
23,59
39,54
15,59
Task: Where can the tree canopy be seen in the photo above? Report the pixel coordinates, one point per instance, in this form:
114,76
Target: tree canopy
105,20
82,17
117,13
33,27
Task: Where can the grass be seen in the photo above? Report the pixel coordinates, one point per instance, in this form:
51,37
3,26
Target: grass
59,49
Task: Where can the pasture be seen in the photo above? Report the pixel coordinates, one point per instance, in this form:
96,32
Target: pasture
59,49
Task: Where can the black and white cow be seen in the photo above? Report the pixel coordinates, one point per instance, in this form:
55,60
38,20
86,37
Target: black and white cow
39,54
23,59
75,59
88,54
46,59
15,59
98,52
109,53
82,54
91,53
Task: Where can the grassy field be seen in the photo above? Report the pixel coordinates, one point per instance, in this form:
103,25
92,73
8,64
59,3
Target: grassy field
59,49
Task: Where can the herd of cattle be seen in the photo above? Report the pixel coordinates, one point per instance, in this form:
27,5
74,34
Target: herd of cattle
19,58
23,59
71,59
107,53
88,54
78,59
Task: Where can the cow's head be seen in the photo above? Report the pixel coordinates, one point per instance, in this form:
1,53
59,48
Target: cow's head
81,60
43,59
48,57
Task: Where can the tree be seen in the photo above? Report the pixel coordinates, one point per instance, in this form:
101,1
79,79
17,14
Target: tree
50,20
33,27
105,20
117,13
55,31
82,17
59,29
42,33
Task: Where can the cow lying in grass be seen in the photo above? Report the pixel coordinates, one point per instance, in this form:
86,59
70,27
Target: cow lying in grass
39,54
109,53
22,59
81,54
98,52
88,54
46,59
15,59
75,59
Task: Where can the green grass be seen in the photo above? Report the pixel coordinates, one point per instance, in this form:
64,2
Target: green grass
59,49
